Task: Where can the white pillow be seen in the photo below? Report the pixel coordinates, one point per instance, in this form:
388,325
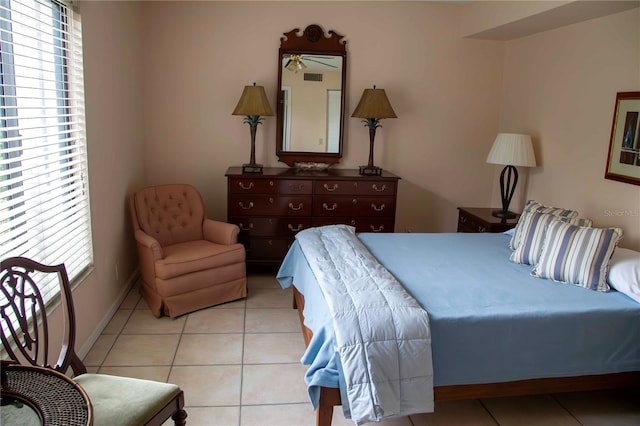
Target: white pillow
624,272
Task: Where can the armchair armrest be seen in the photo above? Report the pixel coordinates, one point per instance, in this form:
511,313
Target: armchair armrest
149,244
220,232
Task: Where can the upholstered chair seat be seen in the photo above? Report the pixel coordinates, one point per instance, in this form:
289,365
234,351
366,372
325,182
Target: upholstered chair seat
187,261
111,396
184,258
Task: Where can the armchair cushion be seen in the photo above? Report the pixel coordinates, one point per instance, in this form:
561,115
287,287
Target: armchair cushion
193,256
111,396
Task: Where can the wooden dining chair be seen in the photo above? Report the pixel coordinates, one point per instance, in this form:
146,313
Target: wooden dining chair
26,339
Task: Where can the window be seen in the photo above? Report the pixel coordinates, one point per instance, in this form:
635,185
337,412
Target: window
44,210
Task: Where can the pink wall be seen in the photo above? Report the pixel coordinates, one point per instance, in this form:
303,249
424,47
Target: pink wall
115,138
199,55
560,86
163,77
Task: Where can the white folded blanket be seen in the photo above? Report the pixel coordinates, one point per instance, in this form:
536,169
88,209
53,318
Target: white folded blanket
382,334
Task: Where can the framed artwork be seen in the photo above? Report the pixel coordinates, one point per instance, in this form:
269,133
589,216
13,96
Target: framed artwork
623,161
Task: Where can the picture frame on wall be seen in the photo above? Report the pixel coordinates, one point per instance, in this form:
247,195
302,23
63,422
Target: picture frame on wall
623,160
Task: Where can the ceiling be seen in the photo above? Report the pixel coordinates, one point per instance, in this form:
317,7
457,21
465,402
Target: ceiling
566,13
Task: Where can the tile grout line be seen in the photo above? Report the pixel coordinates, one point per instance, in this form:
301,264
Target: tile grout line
244,334
488,411
106,355
175,353
553,396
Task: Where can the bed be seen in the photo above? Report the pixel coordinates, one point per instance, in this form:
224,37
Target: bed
495,329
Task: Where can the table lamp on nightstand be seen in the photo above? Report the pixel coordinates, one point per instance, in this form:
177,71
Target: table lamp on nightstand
253,103
510,149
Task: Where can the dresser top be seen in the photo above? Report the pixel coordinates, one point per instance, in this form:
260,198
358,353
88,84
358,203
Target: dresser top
293,173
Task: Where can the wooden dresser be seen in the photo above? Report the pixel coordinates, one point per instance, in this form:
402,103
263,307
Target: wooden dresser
270,208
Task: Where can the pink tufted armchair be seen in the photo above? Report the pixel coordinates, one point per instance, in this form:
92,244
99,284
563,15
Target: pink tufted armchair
187,262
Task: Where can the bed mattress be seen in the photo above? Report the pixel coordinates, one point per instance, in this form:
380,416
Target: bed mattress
491,321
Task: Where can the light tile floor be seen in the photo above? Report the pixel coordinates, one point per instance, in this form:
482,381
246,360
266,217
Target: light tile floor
238,364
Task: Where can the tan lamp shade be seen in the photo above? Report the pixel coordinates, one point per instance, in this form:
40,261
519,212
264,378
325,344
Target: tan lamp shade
374,104
253,102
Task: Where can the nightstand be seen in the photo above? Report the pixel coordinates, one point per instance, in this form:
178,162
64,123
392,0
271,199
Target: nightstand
477,219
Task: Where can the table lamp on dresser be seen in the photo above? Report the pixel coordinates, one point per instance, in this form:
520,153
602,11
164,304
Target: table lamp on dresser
373,106
253,104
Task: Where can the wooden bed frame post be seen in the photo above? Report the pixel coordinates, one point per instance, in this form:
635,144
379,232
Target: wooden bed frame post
324,416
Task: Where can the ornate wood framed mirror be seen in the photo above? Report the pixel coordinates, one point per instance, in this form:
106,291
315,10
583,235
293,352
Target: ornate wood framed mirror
312,69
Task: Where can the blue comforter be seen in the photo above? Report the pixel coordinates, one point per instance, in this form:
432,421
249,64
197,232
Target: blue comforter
490,320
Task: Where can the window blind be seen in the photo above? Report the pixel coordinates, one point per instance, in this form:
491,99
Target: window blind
44,187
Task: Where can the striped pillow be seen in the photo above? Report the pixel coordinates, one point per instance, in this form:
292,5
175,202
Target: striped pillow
533,206
576,255
534,227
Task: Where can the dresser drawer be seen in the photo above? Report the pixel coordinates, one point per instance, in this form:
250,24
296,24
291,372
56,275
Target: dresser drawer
271,226
269,186
267,249
265,205
468,223
273,206
362,224
353,206
342,187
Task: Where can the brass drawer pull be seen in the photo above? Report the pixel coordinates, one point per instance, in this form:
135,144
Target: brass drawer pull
374,229
243,186
378,209
327,208
375,188
333,188
248,228
463,219
243,207
293,187
292,207
298,228
482,229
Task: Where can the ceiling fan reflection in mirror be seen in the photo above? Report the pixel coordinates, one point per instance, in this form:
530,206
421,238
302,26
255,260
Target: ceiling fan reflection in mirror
297,63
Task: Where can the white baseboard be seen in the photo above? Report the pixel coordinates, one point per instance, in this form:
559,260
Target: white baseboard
133,278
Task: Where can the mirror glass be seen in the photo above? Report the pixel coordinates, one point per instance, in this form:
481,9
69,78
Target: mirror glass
311,87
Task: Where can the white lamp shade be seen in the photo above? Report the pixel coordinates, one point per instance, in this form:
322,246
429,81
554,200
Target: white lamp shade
512,149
